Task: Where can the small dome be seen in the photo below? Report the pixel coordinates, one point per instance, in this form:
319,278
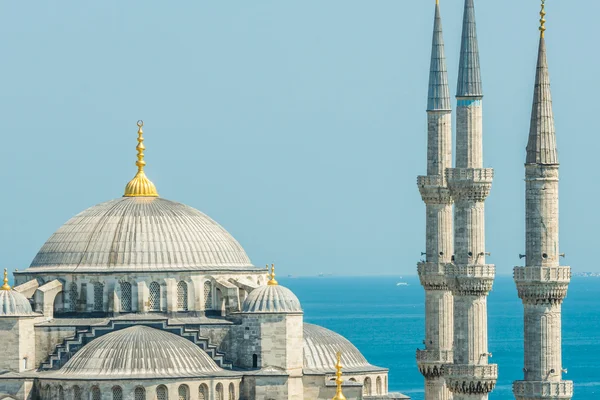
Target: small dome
140,234
321,346
141,352
272,299
14,304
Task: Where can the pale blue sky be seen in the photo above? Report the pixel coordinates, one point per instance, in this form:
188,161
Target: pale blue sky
297,125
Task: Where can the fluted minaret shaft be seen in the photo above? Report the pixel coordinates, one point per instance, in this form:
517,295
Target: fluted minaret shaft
542,283
439,243
470,278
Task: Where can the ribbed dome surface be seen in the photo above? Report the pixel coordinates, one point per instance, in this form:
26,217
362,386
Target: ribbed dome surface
271,299
141,352
13,303
140,234
321,346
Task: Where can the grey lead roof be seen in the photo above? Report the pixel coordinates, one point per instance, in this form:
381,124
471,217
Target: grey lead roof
469,73
140,234
439,93
272,299
13,303
541,147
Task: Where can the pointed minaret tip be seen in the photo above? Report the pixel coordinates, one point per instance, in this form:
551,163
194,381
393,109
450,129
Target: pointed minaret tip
469,74
541,147
439,92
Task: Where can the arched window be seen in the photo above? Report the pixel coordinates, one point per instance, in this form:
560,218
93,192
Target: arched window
161,391
73,297
231,391
208,296
203,392
117,393
367,387
140,393
352,380
254,360
98,296
154,303
182,296
378,385
77,393
184,392
219,392
125,297
96,395
61,393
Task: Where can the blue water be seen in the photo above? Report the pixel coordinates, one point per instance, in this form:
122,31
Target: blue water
386,322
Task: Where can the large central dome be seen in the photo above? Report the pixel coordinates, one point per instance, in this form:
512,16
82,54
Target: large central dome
135,234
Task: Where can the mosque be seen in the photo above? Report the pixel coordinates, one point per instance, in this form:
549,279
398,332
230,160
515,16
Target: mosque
145,298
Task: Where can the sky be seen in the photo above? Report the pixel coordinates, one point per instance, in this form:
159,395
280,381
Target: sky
299,126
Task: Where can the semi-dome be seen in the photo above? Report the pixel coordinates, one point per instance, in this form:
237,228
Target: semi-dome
271,299
140,234
140,352
321,346
14,304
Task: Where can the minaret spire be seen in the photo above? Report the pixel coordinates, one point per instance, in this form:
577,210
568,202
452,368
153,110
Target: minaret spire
439,236
439,93
541,147
469,74
542,283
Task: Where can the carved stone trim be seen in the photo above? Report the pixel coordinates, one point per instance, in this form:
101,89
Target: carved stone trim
433,190
543,390
470,183
432,276
542,285
471,379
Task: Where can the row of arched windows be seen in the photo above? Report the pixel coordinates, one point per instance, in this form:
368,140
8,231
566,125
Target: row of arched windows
126,301
162,393
368,389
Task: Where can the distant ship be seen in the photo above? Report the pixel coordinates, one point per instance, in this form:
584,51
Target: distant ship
402,284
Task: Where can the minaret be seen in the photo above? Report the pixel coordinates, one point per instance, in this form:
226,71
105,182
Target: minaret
470,278
439,245
542,283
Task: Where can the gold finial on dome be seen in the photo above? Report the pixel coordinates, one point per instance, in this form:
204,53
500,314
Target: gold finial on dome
272,281
6,286
338,380
542,19
140,185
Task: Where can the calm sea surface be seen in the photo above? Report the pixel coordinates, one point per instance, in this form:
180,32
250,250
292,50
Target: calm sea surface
386,322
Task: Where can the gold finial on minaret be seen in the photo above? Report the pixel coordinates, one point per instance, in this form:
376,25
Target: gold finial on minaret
542,19
6,286
140,185
272,281
338,380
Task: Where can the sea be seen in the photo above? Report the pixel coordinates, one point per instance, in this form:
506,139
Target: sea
386,322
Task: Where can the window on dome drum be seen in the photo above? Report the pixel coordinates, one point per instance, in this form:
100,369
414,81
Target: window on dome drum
207,296
203,392
73,297
352,380
140,393
231,391
184,392
378,385
219,392
77,393
154,303
96,395
254,360
367,387
98,296
161,393
117,393
182,296
125,297
61,393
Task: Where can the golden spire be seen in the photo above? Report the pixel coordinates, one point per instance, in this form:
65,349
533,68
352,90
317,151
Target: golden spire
272,281
542,19
140,185
338,380
6,286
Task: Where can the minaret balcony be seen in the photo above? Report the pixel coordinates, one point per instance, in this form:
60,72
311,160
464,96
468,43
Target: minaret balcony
471,379
433,190
431,362
470,280
542,274
432,275
526,390
470,183
542,285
